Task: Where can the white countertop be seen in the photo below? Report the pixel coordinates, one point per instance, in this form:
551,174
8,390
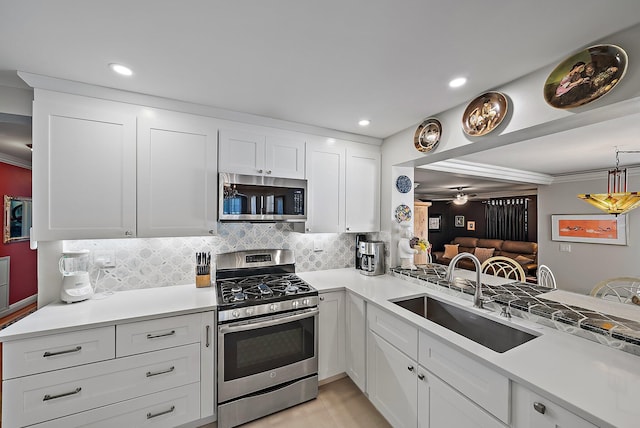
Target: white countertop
108,309
597,382
594,381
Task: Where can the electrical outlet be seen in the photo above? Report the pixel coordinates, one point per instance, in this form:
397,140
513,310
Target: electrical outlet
565,248
317,245
104,259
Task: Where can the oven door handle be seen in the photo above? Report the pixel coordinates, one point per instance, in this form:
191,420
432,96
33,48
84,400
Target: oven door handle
282,320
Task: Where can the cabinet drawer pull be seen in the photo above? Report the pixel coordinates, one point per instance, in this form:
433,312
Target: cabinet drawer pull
268,171
153,415
421,376
169,370
410,368
207,343
540,408
48,397
155,336
259,171
67,351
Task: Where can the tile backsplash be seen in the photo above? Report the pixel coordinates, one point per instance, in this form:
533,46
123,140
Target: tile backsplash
159,262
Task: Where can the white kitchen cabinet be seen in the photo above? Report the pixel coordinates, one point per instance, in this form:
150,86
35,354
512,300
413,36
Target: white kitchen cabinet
530,410
253,153
84,169
331,352
392,382
441,406
362,191
162,367
486,387
325,188
343,188
356,340
177,175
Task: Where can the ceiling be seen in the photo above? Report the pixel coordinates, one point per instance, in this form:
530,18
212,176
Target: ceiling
325,63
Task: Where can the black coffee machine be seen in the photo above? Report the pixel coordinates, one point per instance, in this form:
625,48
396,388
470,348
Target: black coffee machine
359,238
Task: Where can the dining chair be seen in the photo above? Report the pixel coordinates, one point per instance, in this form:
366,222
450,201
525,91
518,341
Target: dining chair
505,267
623,289
545,277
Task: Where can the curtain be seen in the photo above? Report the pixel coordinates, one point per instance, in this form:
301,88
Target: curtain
507,219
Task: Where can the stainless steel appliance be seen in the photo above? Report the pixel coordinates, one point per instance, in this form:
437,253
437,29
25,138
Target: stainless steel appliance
372,258
261,198
267,335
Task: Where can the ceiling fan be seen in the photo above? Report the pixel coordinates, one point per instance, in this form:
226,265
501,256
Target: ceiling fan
460,197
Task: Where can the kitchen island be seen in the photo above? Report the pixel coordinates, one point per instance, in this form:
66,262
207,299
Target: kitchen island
593,381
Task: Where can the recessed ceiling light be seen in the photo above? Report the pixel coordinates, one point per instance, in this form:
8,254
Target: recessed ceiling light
457,82
364,122
121,69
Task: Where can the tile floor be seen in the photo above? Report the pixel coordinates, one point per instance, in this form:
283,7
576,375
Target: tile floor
340,404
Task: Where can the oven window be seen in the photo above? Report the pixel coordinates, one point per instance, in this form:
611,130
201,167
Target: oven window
267,348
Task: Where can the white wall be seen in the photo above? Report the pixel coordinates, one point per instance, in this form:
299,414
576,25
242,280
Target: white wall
586,264
16,101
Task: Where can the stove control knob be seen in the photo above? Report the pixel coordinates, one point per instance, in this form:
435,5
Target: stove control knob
295,304
273,307
305,302
248,311
235,313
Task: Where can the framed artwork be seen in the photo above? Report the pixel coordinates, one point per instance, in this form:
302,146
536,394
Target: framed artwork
459,221
435,222
585,76
590,229
471,225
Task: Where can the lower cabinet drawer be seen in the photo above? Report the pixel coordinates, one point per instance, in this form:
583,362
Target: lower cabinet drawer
57,351
162,333
37,398
164,409
478,382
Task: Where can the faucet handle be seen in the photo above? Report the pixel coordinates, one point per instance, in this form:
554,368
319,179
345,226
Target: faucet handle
505,312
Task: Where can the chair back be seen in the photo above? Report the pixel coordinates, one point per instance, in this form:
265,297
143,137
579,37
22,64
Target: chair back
623,289
545,277
504,267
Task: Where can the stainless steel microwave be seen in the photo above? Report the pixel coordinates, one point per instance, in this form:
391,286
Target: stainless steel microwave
259,198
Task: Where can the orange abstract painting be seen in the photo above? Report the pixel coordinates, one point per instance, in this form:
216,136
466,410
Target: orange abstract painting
602,229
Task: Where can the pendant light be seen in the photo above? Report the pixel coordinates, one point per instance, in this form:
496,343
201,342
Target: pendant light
617,200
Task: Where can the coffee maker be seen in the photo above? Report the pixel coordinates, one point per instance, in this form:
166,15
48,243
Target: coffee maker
372,258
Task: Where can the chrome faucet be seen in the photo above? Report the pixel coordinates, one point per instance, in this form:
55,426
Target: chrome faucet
477,295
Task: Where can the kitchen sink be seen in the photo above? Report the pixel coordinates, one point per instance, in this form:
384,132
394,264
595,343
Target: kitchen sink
492,334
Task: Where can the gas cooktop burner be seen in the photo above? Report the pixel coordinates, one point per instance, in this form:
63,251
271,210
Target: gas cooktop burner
259,288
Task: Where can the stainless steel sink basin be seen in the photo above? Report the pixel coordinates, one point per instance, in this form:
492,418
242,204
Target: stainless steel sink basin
486,332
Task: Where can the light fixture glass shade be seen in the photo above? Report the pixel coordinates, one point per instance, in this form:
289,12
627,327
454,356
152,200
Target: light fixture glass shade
460,199
613,203
617,200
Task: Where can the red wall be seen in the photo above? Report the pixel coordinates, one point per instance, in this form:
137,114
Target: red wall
23,282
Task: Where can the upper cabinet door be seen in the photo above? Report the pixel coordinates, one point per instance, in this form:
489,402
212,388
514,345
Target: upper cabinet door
325,196
242,152
284,157
362,191
84,170
177,175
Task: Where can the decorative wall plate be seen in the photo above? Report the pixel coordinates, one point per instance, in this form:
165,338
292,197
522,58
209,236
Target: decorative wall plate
484,114
585,76
403,184
403,213
427,135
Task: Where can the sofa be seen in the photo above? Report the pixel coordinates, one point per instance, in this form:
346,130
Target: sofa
525,253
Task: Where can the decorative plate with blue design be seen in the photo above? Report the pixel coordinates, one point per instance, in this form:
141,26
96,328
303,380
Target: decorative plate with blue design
403,184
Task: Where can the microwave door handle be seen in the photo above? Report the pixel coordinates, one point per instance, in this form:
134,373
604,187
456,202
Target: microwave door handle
242,327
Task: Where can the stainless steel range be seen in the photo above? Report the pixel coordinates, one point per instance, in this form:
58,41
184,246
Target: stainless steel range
267,335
